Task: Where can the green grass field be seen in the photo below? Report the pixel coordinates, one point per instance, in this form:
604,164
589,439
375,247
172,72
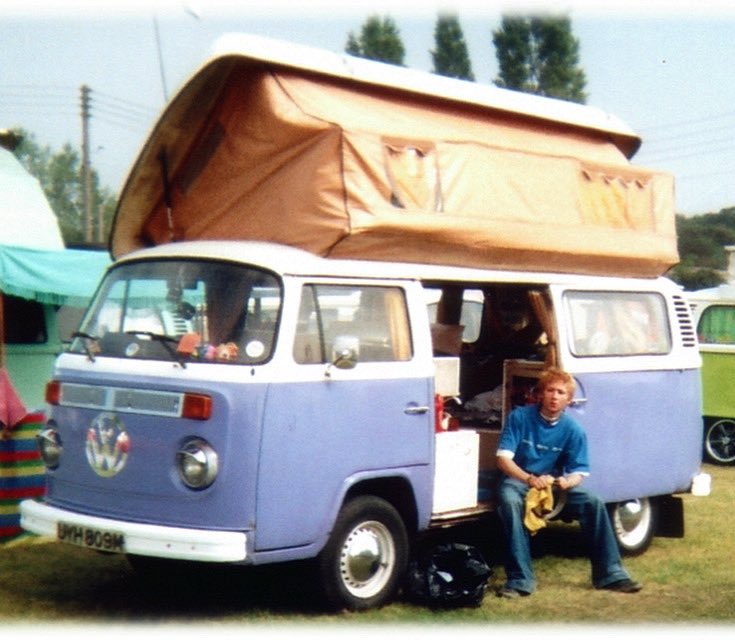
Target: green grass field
685,581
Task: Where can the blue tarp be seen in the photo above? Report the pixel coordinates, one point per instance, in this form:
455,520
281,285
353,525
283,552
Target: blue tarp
68,276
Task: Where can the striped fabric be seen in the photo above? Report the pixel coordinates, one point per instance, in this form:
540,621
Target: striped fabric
21,473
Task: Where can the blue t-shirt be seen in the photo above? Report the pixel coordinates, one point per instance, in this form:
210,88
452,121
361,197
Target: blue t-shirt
540,447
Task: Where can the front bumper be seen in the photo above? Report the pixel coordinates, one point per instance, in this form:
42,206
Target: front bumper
139,539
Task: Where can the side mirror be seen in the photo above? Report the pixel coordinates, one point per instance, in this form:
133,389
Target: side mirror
345,352
345,359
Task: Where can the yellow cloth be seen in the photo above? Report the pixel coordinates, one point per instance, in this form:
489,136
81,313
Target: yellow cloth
539,502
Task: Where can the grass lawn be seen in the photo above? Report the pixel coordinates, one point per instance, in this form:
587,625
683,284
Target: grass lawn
686,581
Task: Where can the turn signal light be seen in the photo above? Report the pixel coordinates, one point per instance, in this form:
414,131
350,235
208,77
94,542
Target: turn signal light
53,392
196,406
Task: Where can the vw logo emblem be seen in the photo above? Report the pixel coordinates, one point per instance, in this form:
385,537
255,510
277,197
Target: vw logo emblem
107,445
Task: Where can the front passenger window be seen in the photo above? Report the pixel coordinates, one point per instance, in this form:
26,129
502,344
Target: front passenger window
370,320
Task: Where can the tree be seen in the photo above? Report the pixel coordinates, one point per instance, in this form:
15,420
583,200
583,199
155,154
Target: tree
59,174
451,57
379,39
701,243
695,278
539,55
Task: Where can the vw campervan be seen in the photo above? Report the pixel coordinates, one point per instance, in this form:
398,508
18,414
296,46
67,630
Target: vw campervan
333,280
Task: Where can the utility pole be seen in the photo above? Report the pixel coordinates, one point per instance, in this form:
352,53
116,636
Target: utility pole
86,168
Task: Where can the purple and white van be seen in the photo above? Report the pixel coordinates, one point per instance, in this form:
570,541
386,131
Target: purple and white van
250,403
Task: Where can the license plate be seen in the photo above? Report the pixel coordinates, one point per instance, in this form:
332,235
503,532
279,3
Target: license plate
90,537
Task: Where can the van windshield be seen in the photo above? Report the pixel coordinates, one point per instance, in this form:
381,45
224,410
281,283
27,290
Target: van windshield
188,311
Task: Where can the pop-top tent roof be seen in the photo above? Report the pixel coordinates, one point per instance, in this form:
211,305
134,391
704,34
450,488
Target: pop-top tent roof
352,158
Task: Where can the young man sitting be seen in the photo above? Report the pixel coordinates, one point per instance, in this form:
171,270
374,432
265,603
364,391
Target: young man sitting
542,446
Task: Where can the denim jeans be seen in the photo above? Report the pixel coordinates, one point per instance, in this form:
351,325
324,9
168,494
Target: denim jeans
581,505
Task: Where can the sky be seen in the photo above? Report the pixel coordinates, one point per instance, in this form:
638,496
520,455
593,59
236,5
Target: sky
664,68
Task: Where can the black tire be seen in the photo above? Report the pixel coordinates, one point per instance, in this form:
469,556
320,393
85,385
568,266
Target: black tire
719,441
634,524
364,561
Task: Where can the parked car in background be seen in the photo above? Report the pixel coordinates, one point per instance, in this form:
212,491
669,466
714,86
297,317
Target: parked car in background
714,316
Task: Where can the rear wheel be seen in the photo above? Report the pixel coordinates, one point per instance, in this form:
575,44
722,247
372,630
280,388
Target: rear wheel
719,441
634,523
365,558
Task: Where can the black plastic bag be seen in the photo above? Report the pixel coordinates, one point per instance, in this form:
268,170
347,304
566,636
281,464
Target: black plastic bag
449,575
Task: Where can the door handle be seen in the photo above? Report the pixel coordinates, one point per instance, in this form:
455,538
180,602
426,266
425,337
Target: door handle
415,410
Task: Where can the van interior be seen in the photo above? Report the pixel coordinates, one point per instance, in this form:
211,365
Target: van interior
503,336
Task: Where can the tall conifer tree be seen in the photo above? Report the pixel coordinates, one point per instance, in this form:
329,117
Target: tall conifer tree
539,55
450,56
379,39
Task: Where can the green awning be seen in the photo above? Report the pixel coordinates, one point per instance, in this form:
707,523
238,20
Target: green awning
68,276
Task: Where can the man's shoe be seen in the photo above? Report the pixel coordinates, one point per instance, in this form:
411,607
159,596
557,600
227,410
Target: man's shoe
509,592
624,586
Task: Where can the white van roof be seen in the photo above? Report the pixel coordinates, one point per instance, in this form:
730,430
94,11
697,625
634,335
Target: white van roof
371,72
292,261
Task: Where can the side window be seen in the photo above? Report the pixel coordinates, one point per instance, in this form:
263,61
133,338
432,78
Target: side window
413,174
309,343
448,336
717,325
373,321
617,323
470,315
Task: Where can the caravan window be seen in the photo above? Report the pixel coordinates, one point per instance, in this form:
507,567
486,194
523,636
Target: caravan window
717,325
617,323
371,320
25,322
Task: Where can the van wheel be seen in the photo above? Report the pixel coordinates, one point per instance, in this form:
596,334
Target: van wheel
634,523
719,441
365,558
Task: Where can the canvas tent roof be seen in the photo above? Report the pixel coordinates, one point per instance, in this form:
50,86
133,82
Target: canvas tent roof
34,264
352,158
26,219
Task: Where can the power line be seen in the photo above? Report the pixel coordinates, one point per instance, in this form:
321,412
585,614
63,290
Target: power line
689,151
118,113
59,99
689,138
23,89
120,125
683,135
708,174
130,103
680,123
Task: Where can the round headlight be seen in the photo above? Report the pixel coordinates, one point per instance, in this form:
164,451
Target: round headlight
197,463
49,444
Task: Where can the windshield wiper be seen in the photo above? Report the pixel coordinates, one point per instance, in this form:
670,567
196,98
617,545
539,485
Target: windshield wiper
86,339
165,340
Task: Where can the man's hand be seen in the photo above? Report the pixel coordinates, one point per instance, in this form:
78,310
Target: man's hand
567,482
510,468
540,482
